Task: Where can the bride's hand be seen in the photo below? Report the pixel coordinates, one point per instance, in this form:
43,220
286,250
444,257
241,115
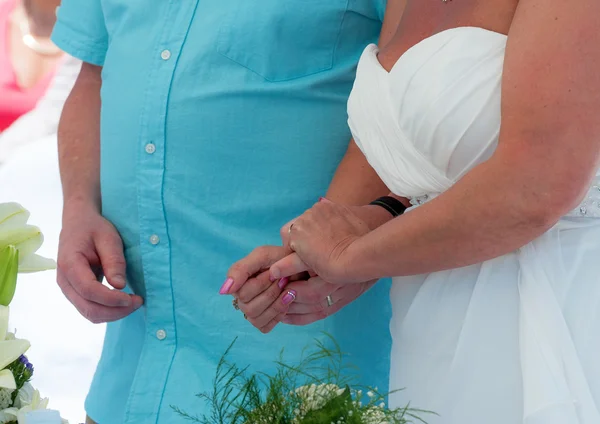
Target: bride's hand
266,303
320,238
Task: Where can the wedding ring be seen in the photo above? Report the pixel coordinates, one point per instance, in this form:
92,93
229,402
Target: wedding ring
235,304
329,301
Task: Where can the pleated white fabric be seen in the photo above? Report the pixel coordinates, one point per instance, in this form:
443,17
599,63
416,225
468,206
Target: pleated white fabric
513,340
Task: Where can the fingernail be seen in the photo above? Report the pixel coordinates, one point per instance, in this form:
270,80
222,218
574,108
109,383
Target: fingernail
125,302
286,320
226,286
273,274
324,199
289,297
283,282
137,301
119,279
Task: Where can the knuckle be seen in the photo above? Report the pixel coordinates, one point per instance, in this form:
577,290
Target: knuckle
319,308
244,296
260,250
283,232
64,264
115,259
273,293
240,269
313,297
87,313
320,315
251,313
85,290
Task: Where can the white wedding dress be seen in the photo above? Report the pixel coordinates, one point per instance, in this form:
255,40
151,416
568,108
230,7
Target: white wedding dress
513,340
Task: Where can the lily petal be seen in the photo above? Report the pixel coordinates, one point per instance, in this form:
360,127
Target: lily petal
7,380
35,263
10,350
12,215
27,239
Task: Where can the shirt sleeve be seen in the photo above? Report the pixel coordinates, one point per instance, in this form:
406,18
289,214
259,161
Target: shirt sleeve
380,5
80,30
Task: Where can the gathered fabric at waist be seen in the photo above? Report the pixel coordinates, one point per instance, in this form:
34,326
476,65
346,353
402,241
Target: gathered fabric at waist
588,208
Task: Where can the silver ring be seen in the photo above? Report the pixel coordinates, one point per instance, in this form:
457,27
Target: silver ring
329,301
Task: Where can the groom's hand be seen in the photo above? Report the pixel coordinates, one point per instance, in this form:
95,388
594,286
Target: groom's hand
311,303
300,302
266,303
89,248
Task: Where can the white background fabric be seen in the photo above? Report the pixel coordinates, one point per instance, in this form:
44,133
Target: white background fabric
65,347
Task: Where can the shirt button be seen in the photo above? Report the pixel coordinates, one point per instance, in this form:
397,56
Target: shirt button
165,55
154,239
161,334
150,148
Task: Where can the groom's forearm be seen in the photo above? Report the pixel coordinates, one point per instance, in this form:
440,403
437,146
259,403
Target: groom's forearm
79,140
355,183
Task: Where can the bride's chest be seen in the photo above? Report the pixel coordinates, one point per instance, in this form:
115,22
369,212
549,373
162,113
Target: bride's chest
438,106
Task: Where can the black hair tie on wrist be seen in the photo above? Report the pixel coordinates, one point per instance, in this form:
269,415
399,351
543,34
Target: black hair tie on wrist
390,204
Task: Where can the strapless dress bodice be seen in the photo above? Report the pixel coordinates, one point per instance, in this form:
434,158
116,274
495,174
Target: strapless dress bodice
436,114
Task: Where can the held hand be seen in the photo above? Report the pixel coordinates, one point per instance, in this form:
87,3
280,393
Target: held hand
320,238
89,248
241,276
312,303
300,302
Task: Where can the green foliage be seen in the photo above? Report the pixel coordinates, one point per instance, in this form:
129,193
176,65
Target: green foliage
318,390
21,373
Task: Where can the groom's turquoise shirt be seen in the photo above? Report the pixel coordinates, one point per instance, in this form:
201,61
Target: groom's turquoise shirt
221,120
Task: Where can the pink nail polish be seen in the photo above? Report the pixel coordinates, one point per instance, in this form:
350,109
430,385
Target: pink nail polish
283,282
289,297
226,286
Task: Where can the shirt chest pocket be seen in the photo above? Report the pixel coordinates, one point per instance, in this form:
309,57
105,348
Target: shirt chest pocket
282,39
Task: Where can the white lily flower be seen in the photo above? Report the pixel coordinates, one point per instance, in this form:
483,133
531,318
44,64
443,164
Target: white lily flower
14,231
34,400
10,350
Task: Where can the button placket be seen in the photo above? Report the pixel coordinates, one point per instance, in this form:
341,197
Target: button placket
161,336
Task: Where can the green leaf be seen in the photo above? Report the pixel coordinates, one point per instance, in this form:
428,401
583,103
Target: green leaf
9,266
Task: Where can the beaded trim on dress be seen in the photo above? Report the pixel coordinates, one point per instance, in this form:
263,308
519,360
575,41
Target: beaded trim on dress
589,208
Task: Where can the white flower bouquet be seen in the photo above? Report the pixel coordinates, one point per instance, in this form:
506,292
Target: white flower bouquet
19,401
308,393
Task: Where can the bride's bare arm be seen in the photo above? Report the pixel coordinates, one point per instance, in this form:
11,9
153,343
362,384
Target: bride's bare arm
548,153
